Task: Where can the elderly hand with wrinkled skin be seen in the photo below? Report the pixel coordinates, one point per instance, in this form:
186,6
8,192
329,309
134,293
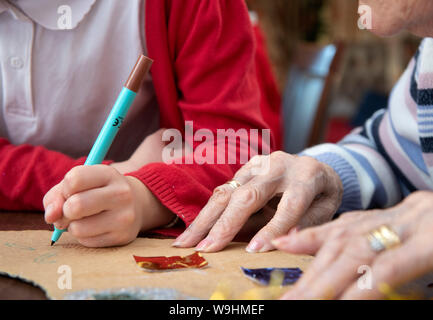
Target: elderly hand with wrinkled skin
341,247
310,194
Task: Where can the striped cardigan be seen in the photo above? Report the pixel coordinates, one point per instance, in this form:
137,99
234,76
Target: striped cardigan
392,154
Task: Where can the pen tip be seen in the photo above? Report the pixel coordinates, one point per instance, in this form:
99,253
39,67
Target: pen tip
52,242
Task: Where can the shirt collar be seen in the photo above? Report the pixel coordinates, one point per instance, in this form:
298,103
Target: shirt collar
47,13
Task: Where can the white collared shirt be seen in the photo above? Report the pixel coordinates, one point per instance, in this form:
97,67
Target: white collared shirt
57,86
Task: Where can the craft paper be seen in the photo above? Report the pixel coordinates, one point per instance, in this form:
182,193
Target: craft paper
194,260
28,255
282,276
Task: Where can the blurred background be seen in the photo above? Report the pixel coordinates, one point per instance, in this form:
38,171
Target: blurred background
331,75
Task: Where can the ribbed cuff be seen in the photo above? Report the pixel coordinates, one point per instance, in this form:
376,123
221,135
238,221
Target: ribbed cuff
162,190
351,189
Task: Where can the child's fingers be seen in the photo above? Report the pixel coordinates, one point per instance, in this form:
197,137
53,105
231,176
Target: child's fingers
53,203
62,223
94,201
105,240
82,178
105,222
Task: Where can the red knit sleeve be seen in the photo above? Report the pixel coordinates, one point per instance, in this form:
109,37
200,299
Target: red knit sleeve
208,48
270,93
27,173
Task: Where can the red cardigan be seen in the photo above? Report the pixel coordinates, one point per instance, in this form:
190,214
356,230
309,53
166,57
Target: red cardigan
204,71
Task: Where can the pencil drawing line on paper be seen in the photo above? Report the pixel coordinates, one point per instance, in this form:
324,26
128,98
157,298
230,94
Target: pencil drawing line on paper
46,258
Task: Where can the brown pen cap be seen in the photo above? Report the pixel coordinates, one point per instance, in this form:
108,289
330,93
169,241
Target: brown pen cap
137,75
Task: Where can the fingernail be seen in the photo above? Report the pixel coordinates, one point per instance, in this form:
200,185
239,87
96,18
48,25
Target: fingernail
267,247
254,246
203,245
177,243
180,239
280,242
285,240
276,242
49,208
48,211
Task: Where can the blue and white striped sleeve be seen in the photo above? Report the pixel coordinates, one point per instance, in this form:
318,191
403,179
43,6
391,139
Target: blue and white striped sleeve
367,178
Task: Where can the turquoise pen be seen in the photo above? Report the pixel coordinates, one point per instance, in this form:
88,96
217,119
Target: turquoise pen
114,120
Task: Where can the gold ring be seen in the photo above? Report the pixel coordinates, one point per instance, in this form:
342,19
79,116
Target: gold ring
234,184
383,238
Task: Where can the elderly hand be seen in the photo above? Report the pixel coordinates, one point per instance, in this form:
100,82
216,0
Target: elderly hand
342,247
310,194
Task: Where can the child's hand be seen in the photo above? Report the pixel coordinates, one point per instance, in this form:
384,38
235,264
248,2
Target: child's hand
150,150
101,207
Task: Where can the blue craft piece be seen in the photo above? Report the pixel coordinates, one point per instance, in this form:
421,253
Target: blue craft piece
263,275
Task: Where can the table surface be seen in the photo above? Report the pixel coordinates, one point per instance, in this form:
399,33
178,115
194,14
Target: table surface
13,289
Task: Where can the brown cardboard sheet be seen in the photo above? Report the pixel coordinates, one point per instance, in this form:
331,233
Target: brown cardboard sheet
29,256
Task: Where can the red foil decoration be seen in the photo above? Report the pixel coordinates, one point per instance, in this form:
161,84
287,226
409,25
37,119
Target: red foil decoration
194,260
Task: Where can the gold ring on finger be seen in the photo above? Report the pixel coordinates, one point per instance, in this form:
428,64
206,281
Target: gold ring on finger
383,238
234,184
